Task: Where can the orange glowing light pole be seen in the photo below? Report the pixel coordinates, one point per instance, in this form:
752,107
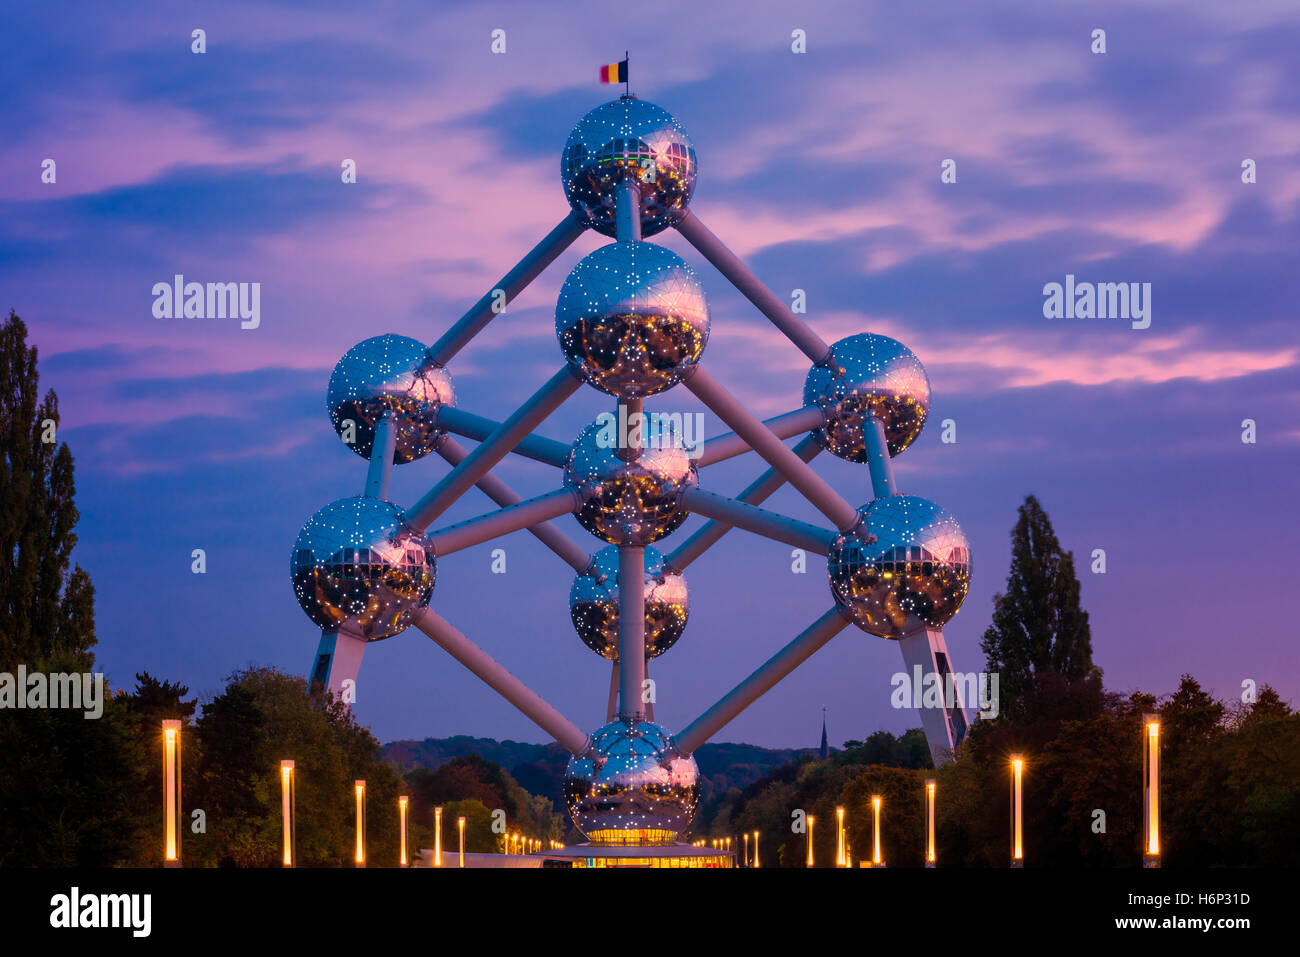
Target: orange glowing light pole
746,864
929,822
1017,812
839,837
171,792
810,827
437,837
875,831
360,788
288,807
756,848
1151,791
460,825
401,814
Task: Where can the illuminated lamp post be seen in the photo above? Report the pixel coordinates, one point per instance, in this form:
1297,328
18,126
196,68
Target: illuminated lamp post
839,837
1151,791
875,831
288,807
756,848
171,793
929,822
359,787
460,825
1017,812
401,814
746,863
811,819
437,837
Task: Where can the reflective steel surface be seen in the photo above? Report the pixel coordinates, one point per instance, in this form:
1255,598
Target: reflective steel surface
356,563
628,138
629,503
389,375
916,572
632,318
632,786
868,375
593,604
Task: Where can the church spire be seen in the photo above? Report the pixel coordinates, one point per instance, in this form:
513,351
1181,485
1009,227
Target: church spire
826,747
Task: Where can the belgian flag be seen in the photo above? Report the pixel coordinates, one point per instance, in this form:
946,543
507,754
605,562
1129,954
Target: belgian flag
614,72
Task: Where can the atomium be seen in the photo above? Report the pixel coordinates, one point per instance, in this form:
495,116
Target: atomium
868,375
632,786
632,318
628,139
628,502
593,604
357,565
905,566
389,376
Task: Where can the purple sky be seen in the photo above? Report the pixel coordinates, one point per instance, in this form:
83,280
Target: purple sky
821,170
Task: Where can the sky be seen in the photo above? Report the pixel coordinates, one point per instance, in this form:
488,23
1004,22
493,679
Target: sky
821,169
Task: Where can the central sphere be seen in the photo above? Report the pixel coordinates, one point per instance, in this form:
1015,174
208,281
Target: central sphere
389,376
628,139
593,604
632,318
868,375
629,502
357,564
905,566
632,786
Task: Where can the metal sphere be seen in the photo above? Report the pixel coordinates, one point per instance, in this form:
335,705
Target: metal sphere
632,786
389,375
868,375
628,138
906,566
593,604
356,563
632,318
633,502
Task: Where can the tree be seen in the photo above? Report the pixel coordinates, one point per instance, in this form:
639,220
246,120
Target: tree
1038,624
45,609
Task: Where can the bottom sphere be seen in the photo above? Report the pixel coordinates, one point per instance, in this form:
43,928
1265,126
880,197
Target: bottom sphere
632,786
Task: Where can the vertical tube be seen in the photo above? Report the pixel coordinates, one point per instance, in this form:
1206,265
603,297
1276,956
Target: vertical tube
879,463
360,789
287,808
631,631
930,860
381,458
627,211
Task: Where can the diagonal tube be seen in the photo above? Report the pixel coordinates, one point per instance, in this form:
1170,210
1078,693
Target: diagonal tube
729,444
513,283
501,681
478,428
512,518
761,681
710,532
826,500
493,449
738,274
504,495
758,520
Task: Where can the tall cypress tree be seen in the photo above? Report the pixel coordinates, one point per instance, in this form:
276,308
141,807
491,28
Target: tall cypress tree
46,611
1039,627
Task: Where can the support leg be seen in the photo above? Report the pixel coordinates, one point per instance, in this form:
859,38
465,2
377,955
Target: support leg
925,653
338,659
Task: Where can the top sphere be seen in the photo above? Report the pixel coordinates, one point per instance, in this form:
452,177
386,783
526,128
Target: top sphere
628,138
868,375
393,376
